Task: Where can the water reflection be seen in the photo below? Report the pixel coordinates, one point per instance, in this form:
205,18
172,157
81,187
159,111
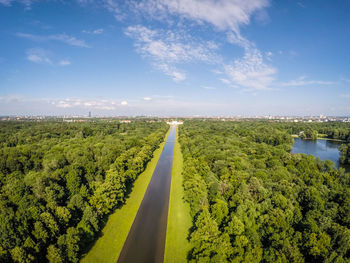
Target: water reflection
323,149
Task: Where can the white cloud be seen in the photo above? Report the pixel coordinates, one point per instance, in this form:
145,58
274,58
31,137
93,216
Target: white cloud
18,103
94,32
301,81
83,2
269,55
345,79
223,14
225,81
42,56
64,38
250,71
147,98
64,62
171,71
346,96
38,55
6,2
168,49
98,31
124,103
217,72
96,104
208,87
12,98
27,3
113,7
170,46
301,4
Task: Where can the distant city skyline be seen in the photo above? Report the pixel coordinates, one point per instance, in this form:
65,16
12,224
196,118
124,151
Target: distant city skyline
174,57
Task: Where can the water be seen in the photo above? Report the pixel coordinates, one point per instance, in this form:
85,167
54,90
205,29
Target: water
146,238
323,149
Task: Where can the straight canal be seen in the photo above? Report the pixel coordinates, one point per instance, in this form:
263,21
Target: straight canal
146,238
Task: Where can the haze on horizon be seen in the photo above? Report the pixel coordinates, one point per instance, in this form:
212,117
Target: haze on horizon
174,57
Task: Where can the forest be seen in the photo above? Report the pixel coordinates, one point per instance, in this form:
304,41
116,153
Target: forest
251,200
330,130
333,130
59,181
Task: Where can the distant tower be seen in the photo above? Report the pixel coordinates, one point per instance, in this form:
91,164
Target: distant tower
89,114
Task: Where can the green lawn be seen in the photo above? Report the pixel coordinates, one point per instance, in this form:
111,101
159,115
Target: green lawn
107,248
179,219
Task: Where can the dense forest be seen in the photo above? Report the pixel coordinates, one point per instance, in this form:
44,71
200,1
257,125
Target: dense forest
329,130
332,130
253,201
58,181
345,153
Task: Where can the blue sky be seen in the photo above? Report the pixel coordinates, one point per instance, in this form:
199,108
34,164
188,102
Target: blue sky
174,57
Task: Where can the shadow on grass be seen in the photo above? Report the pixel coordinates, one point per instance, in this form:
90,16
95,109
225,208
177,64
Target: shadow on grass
88,240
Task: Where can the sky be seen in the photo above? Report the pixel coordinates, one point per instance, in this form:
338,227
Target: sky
175,57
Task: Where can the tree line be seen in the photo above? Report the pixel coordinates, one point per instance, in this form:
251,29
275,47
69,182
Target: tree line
330,130
59,181
251,200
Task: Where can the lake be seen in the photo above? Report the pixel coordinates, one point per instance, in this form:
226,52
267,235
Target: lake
323,149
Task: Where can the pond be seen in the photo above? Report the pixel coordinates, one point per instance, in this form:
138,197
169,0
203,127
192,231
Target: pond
323,149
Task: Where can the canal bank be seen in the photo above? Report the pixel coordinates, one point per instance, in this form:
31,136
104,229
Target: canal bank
177,244
108,247
146,238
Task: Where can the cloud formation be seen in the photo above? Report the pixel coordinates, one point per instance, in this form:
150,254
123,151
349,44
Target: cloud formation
208,88
96,104
27,3
166,49
302,81
223,14
64,38
39,56
64,62
250,71
45,57
94,32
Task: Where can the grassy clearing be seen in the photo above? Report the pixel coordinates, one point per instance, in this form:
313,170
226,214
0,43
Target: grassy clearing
179,219
108,247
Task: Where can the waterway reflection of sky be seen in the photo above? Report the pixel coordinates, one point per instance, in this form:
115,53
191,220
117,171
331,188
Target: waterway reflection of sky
323,149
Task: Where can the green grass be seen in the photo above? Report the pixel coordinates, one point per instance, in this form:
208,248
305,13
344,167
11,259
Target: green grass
108,247
179,219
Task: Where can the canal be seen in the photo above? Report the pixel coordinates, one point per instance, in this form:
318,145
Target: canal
146,238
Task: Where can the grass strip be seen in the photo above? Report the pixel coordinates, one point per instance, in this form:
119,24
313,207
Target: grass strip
179,219
108,247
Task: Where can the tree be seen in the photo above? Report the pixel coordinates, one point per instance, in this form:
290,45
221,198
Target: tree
54,254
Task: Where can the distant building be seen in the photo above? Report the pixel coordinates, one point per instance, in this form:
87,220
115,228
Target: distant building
89,114
174,123
125,121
